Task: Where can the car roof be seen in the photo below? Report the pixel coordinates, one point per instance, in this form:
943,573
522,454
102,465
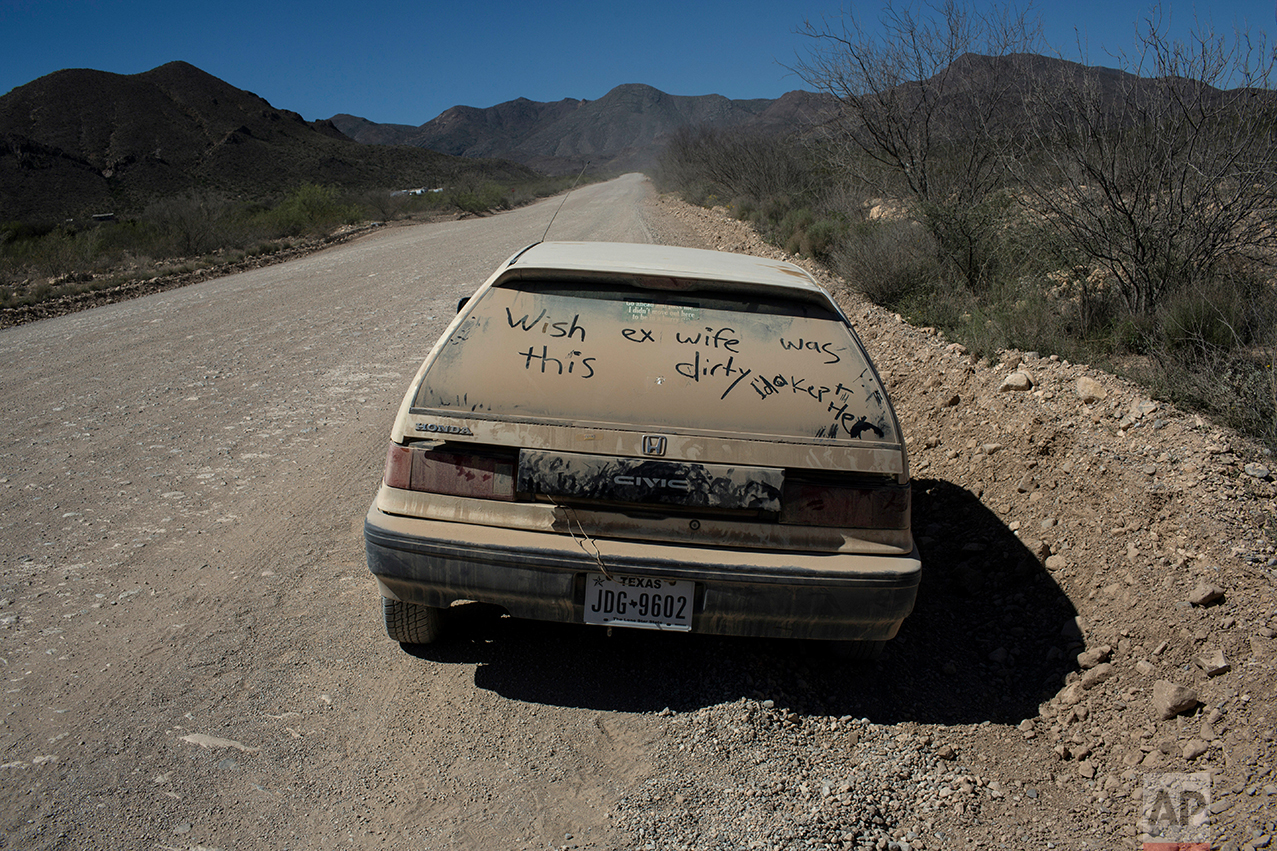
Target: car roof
626,258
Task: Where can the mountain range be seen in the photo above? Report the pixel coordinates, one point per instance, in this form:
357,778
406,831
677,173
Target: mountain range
621,131
79,141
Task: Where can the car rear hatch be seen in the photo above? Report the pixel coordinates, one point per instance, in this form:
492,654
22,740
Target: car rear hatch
655,408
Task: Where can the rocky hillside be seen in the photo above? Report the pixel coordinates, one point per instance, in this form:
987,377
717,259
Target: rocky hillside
78,142
621,131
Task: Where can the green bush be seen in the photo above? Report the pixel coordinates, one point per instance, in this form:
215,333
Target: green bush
483,197
311,209
822,237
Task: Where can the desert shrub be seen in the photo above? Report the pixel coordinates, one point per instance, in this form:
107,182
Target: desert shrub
973,237
384,205
310,209
772,211
731,163
1212,348
744,209
65,252
888,260
192,224
1214,318
790,230
821,237
478,197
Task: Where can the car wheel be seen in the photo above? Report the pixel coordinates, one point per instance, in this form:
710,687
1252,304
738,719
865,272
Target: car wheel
857,651
409,623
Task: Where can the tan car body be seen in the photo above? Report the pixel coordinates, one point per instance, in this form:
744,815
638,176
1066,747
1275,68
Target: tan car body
655,411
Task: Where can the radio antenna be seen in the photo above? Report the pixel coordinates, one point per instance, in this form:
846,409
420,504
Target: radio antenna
565,200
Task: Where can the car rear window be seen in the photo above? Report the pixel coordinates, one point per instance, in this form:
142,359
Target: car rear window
618,355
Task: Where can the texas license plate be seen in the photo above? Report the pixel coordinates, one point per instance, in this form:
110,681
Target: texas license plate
645,602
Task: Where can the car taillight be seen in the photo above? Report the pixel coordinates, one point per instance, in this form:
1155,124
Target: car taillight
846,506
430,469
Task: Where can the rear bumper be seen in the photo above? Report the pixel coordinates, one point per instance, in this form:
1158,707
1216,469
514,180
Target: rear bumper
541,576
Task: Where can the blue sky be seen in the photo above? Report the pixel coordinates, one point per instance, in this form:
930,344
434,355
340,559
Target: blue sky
407,62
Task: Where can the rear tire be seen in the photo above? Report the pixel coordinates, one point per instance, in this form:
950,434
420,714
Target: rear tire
409,623
857,651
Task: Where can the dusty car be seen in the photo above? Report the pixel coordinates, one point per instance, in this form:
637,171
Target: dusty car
644,436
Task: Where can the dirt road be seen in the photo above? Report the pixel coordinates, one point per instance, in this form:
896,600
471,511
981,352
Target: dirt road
183,483
193,656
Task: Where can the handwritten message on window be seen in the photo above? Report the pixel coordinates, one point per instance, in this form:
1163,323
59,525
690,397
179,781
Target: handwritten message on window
620,360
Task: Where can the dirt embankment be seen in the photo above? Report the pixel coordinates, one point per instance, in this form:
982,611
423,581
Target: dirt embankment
1120,566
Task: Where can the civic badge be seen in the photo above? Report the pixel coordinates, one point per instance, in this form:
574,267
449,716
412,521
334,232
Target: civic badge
653,444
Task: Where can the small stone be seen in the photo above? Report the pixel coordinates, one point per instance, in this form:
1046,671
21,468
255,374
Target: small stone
1144,667
1086,769
1056,563
1041,549
952,401
1016,382
1258,471
1090,658
1026,726
1097,675
1072,694
1171,699
1213,662
1142,408
1194,748
946,752
1205,594
1089,390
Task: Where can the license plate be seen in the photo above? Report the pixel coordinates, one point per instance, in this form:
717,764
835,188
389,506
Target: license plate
645,602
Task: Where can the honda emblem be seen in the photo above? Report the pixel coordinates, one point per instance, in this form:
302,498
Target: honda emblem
653,444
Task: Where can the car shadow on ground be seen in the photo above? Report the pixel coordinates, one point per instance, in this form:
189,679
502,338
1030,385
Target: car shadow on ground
991,637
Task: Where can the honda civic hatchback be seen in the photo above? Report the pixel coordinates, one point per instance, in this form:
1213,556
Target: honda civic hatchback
650,437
